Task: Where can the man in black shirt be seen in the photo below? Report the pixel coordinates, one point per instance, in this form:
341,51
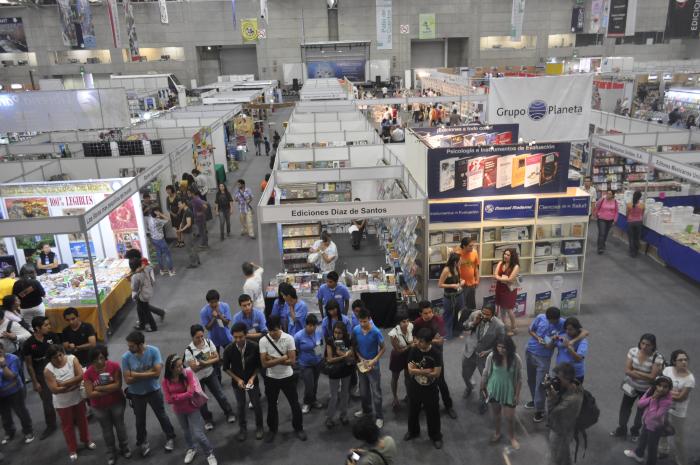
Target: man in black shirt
47,261
185,228
424,368
241,362
78,337
30,293
35,358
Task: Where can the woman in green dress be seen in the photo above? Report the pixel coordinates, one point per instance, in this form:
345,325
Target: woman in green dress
500,384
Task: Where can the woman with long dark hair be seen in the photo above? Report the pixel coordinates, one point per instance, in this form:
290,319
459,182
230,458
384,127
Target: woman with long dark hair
635,220
506,277
339,357
180,387
642,367
172,198
683,382
30,293
223,206
453,298
606,212
501,382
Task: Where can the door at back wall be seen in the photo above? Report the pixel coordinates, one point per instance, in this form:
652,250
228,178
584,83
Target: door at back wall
242,59
427,54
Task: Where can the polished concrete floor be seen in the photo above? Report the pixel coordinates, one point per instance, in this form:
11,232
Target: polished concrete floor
622,298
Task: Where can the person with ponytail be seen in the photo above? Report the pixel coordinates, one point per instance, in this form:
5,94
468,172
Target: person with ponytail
635,219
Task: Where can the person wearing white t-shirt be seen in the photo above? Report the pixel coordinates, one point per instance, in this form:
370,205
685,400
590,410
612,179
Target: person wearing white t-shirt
327,253
278,355
253,284
683,383
590,189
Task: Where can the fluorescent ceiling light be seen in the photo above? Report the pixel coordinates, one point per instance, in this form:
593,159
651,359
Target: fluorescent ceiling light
15,86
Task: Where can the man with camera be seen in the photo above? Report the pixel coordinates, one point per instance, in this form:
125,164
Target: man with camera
483,330
564,400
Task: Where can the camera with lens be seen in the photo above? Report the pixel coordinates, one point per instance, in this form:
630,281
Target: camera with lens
552,382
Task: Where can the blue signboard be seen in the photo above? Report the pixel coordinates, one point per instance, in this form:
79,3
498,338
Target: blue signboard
354,70
455,212
506,209
564,206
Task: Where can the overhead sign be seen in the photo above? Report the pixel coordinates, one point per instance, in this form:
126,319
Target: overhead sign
683,19
468,136
546,108
564,206
455,212
691,173
506,209
638,155
102,209
618,18
341,210
577,19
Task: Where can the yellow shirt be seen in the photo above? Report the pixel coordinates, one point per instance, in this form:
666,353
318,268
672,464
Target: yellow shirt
6,286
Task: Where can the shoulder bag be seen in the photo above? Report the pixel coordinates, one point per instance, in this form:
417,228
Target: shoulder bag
199,398
376,452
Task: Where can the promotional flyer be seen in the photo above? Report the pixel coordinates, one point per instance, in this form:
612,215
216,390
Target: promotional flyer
498,170
468,136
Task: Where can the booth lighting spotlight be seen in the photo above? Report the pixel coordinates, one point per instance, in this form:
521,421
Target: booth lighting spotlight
209,47
15,86
520,140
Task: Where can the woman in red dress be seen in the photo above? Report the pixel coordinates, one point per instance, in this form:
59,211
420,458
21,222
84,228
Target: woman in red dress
506,276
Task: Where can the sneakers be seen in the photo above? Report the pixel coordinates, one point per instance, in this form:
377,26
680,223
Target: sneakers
530,405
145,449
437,444
231,418
169,445
379,423
317,405
163,272
359,414
7,439
208,426
259,434
211,460
633,455
111,460
90,445
539,417
306,408
171,272
73,457
189,455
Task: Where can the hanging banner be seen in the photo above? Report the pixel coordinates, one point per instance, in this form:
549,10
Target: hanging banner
631,26
606,16
263,11
516,19
113,15
426,26
596,16
67,26
455,212
131,29
545,107
498,170
384,25
84,26
618,18
468,136
12,31
249,29
233,9
163,11
683,18
577,19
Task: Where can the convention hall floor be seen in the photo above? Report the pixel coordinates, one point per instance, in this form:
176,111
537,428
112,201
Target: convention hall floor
622,298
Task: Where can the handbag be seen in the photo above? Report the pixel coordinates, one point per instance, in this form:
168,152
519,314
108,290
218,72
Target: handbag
199,398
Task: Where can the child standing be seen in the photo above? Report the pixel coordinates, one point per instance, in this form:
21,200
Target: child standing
656,403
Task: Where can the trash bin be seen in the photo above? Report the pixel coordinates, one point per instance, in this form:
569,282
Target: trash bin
220,172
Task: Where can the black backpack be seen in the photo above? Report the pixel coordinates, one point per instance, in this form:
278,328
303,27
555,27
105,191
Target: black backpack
587,417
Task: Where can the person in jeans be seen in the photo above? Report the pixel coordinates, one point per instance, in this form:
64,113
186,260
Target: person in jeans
244,199
656,403
156,225
142,292
242,364
642,366
278,355
453,297
103,386
199,210
368,344
34,351
201,356
12,396
339,358
223,206
180,386
606,212
635,220
253,285
683,383
401,337
469,271
185,229
141,367
253,318
216,318
309,345
63,376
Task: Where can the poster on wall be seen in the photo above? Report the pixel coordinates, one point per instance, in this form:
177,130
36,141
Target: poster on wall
125,228
77,29
498,170
426,26
683,19
468,136
618,18
163,6
203,154
596,16
354,70
538,293
131,29
12,36
546,108
249,29
384,24
30,207
76,241
517,16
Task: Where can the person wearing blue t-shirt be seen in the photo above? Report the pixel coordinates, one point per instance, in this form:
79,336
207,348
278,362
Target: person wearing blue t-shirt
368,344
253,318
141,367
295,311
332,290
544,333
332,317
278,304
216,317
12,397
309,345
570,352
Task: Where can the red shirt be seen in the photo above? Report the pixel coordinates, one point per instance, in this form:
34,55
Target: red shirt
436,324
108,376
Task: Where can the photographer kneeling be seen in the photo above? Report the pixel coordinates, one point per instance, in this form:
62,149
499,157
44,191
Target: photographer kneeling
380,451
564,399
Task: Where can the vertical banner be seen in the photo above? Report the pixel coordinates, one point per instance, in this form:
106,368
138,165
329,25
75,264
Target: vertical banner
384,25
596,16
426,26
113,15
67,26
618,18
249,29
631,26
163,11
683,18
547,108
606,16
516,19
233,10
263,11
83,22
577,19
131,29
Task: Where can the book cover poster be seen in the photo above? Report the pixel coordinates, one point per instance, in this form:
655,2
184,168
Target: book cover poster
533,168
476,173
543,300
504,171
447,174
490,171
550,165
569,301
520,304
518,170
462,173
